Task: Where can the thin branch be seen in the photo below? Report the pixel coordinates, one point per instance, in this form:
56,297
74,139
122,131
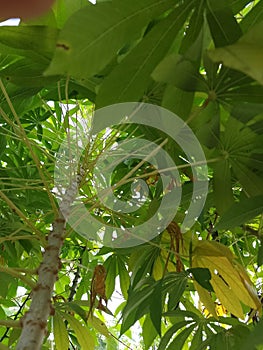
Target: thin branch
27,142
22,216
13,272
19,238
15,317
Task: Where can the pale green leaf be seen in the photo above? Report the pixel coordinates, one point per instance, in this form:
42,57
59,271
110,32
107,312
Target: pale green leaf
99,325
149,332
60,333
29,41
83,335
93,35
112,344
246,55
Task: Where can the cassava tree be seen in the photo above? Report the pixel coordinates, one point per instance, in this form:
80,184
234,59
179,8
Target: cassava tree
131,165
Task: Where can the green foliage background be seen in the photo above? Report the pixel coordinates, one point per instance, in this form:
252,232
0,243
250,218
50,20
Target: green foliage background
201,59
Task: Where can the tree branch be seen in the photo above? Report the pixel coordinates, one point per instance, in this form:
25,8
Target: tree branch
35,320
10,323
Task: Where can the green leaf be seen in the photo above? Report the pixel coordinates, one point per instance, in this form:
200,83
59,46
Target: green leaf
174,69
222,185
197,339
129,80
2,144
193,30
27,72
250,181
180,339
237,6
149,332
77,309
210,117
174,284
167,336
83,335
241,212
223,25
93,35
253,340
246,55
254,16
178,101
60,333
143,258
203,277
14,335
111,268
63,9
124,278
156,306
137,305
31,41
260,255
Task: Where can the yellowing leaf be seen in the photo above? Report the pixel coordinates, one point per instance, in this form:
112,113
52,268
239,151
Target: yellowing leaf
212,248
229,280
99,325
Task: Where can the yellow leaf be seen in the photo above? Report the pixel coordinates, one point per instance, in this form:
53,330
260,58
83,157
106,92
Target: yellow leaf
249,286
229,280
206,299
231,276
221,310
227,297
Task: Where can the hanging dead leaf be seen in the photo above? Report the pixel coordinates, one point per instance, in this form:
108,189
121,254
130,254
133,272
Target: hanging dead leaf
98,288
